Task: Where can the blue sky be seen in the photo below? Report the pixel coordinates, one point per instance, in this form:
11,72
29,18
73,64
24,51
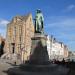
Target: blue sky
59,16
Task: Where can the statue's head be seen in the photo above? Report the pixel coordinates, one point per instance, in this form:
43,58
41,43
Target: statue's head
38,11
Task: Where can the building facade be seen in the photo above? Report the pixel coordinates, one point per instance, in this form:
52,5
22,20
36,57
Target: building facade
48,46
19,33
56,50
66,51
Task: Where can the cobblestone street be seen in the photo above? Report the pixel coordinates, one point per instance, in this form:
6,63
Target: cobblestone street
4,66
7,64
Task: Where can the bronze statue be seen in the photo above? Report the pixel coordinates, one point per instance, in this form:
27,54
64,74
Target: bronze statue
39,22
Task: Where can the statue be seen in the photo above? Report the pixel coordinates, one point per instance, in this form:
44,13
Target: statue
39,22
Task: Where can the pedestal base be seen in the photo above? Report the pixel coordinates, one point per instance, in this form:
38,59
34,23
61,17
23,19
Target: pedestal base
39,53
38,70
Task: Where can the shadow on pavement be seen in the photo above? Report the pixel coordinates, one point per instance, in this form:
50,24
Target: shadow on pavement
37,70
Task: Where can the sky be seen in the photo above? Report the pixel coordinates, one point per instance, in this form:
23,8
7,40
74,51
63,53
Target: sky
59,17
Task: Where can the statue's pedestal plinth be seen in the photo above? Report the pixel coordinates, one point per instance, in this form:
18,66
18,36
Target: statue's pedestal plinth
39,54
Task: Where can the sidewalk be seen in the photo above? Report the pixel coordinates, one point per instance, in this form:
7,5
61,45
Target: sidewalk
4,67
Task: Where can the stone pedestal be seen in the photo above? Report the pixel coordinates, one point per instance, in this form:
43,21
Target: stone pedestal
39,54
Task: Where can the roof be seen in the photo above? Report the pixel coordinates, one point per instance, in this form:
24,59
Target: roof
22,17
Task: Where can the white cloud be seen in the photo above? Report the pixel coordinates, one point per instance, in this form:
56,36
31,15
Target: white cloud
62,22
69,8
3,24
